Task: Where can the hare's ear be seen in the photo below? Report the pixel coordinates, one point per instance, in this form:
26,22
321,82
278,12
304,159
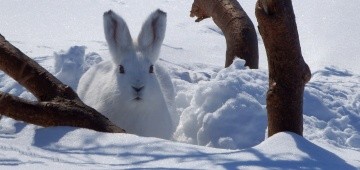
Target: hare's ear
152,35
117,36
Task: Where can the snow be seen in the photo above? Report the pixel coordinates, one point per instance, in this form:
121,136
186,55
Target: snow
234,95
68,65
222,109
72,148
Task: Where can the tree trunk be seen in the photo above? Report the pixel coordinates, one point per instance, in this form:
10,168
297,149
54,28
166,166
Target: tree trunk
58,104
239,31
288,72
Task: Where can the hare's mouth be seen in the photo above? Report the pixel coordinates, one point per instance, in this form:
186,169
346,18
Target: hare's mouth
137,98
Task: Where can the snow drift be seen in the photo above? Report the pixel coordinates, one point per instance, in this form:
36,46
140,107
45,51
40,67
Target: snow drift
193,53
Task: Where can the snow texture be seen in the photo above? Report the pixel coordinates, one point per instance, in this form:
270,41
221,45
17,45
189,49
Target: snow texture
223,109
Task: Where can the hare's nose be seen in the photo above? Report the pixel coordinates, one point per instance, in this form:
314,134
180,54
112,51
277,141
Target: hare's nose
137,89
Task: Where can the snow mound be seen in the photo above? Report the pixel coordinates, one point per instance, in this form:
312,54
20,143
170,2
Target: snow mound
226,107
332,107
227,111
70,65
299,153
25,146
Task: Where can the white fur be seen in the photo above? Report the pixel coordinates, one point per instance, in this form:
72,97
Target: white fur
104,88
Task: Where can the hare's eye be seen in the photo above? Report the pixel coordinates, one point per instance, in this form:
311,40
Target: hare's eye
151,70
121,69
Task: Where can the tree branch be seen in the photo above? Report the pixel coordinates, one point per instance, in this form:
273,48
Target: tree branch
239,31
288,72
58,104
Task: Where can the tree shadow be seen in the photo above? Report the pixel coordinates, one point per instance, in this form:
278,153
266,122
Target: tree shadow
317,158
18,127
160,154
16,162
43,138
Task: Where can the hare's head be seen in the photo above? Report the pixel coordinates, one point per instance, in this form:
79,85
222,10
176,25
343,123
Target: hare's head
135,62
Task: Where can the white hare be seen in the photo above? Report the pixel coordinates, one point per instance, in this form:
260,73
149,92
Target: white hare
130,89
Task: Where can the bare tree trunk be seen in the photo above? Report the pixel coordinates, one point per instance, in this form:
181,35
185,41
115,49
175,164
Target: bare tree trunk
58,104
288,72
239,31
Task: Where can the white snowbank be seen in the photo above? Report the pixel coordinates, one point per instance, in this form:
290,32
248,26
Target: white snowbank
225,108
331,107
328,35
69,66
227,111
71,148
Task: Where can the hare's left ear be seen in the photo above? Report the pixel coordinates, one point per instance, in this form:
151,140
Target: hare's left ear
152,35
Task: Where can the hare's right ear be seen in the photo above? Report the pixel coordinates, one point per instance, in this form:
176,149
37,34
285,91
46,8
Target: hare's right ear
117,36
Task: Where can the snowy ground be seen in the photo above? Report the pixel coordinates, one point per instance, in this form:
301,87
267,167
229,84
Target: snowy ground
216,107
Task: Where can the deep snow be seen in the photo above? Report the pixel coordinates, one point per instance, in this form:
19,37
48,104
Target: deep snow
216,107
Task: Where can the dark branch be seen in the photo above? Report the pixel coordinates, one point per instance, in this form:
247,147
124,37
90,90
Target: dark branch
288,72
239,31
58,104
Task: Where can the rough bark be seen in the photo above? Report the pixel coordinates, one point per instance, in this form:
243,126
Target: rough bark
288,72
57,105
239,31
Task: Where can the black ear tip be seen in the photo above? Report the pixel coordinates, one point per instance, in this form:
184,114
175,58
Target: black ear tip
160,12
108,12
